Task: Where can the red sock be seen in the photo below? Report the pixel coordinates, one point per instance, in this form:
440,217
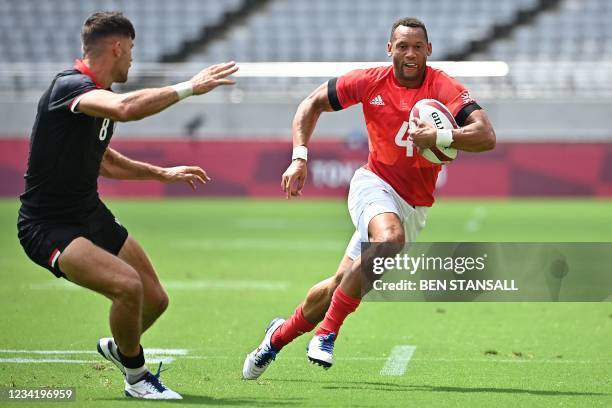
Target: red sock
341,306
294,327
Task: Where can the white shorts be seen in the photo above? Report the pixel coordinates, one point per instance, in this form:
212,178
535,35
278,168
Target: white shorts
369,196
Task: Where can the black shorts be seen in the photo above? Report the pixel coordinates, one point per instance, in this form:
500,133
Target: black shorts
44,241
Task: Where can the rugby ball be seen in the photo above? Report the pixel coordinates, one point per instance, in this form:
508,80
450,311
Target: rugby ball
436,114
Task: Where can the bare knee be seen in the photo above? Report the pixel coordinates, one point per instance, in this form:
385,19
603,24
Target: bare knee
390,233
129,287
159,302
386,227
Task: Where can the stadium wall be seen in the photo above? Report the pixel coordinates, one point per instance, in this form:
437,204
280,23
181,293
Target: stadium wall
254,168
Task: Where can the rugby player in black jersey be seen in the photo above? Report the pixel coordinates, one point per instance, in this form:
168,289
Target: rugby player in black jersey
64,226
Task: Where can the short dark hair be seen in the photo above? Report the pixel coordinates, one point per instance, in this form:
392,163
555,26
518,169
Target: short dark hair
104,24
408,22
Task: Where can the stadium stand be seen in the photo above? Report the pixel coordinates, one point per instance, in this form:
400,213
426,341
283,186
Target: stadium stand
355,30
47,31
575,31
553,47
559,53
566,49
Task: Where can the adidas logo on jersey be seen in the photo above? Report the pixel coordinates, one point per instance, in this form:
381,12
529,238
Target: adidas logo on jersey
377,101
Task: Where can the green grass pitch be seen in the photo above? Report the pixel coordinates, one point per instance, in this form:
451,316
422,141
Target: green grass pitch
232,265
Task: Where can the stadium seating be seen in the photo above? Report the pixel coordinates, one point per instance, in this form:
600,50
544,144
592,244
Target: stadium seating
576,31
310,30
565,50
355,30
545,53
48,31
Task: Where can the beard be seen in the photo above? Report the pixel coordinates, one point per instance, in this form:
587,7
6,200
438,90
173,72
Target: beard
123,77
405,74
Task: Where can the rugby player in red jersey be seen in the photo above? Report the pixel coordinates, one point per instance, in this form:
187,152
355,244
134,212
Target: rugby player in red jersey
388,197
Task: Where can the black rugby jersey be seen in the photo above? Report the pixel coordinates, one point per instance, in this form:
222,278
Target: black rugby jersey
66,149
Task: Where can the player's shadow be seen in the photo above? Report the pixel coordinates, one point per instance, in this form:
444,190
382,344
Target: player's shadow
385,386
190,399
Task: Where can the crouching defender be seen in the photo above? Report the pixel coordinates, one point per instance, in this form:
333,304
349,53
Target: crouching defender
389,197
64,226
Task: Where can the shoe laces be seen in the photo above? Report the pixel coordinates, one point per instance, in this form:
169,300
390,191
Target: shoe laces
327,342
154,379
265,357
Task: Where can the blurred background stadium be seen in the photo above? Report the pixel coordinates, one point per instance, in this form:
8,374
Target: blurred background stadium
551,110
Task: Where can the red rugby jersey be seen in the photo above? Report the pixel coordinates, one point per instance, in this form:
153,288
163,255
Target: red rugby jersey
386,108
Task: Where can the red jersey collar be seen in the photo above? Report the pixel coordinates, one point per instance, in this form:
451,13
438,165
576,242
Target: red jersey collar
80,66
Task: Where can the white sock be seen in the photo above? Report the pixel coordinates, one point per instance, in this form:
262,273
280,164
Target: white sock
133,375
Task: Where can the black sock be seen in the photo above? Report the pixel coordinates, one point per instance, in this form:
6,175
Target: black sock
132,362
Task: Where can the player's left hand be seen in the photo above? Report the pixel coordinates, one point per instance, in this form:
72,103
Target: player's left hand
422,134
189,174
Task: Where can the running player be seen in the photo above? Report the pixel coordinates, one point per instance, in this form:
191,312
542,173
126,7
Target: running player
64,226
388,197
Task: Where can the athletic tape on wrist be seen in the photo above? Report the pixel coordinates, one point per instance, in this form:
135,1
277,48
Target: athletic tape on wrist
444,137
183,89
300,152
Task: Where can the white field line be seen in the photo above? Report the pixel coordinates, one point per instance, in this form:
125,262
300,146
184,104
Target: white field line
152,351
155,355
183,285
398,360
71,361
45,360
166,352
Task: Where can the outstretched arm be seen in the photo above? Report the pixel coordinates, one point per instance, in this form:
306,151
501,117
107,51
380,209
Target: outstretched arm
304,123
116,166
477,135
146,102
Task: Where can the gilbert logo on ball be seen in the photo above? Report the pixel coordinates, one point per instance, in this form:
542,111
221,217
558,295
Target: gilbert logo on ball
436,114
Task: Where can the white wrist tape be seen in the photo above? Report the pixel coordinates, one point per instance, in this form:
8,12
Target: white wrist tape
300,152
183,89
444,137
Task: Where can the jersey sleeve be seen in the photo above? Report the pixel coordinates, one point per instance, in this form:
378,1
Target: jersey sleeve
67,92
456,97
348,90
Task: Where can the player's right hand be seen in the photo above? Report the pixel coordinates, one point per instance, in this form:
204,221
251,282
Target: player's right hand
294,178
213,76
